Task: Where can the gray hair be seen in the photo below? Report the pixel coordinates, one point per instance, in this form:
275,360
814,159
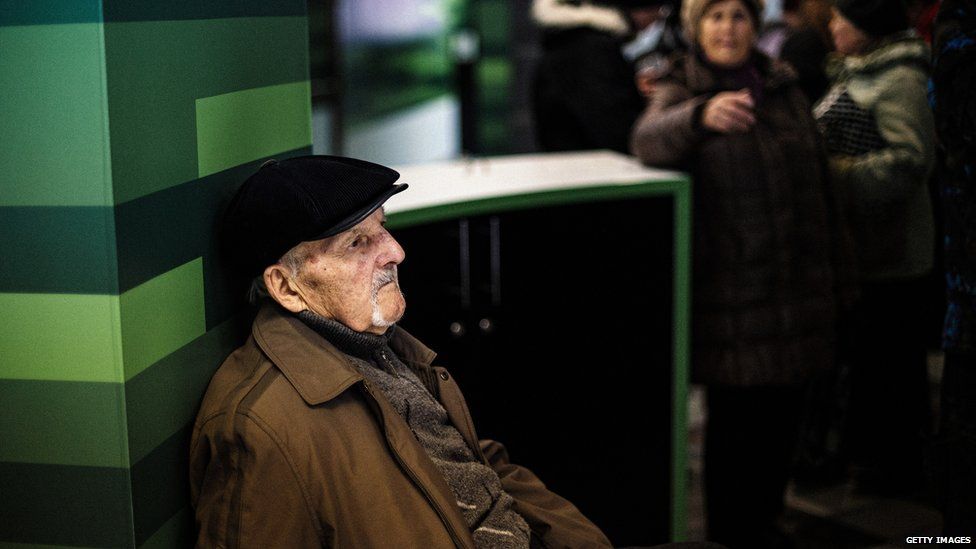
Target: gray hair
293,260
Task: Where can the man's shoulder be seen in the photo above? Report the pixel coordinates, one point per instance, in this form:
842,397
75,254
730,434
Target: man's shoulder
251,400
239,384
282,372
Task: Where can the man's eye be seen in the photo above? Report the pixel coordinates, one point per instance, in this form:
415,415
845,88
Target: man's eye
359,241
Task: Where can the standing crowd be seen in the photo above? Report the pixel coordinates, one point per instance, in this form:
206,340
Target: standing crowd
818,148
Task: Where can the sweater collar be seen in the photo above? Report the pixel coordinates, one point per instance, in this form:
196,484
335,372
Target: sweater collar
358,344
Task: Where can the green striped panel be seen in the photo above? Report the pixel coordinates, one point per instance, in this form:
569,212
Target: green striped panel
153,10
162,315
49,12
61,337
54,130
243,126
82,423
57,249
165,397
178,531
169,65
154,234
160,484
160,231
62,505
12,545
99,506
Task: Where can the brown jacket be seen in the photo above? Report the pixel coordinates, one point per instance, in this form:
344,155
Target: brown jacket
772,258
293,448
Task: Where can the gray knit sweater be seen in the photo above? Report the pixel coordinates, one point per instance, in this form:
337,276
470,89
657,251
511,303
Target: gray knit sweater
487,509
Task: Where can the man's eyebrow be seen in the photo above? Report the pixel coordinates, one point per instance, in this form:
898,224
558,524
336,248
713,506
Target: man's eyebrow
352,233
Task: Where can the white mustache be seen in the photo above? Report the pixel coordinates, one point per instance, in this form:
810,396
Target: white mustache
382,278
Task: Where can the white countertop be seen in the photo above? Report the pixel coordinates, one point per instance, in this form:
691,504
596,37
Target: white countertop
457,181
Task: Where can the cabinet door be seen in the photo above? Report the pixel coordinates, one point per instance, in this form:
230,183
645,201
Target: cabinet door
436,281
573,371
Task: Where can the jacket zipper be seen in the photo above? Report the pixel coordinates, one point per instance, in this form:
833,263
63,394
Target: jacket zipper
413,477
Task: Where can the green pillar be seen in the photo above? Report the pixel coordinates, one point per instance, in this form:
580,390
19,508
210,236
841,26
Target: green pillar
126,127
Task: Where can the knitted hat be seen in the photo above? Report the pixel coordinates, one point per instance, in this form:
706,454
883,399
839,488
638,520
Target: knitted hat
875,17
692,12
300,199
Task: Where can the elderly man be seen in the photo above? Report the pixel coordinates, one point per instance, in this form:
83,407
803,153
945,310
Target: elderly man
330,427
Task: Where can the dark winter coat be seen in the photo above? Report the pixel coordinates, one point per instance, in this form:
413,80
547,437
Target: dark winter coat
292,447
772,260
806,50
584,96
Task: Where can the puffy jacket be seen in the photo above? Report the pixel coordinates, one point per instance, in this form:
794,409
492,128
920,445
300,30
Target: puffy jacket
584,96
886,184
293,448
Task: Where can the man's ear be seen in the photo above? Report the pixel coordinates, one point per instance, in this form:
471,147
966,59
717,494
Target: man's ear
281,288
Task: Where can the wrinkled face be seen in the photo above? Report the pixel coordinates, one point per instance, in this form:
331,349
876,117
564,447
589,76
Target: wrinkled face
848,39
352,277
726,34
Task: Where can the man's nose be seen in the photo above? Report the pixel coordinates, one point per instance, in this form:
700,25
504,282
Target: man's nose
392,251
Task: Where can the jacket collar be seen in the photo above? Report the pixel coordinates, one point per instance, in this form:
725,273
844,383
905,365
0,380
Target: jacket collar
318,371
701,78
898,49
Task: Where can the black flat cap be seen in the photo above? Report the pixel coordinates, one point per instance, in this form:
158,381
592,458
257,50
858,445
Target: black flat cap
301,199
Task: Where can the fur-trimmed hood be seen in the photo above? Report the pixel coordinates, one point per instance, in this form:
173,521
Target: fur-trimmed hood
900,49
558,14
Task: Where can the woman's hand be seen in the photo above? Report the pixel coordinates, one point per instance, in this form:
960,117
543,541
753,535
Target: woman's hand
729,112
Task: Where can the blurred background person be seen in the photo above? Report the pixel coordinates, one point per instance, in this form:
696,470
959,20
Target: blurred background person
769,255
818,456
584,95
953,82
807,44
654,47
659,31
880,136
